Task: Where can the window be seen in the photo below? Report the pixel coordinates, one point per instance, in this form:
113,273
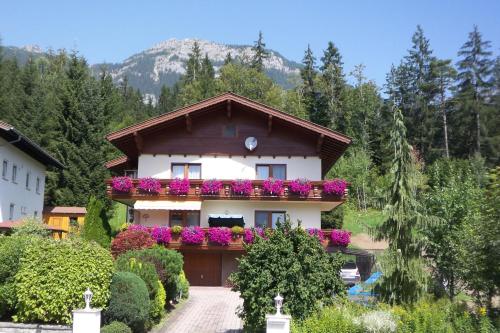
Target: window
185,218
268,219
28,175
11,211
131,173
265,171
38,185
186,170
229,131
5,167
14,173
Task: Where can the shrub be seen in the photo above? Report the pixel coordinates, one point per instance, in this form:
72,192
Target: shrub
377,322
315,232
333,219
31,227
131,240
192,235
179,186
129,302
157,309
116,327
183,286
176,229
211,187
162,235
96,227
122,184
220,236
289,262
301,187
340,237
145,270
335,187
148,184
272,186
168,264
53,276
336,319
242,187
237,230
139,227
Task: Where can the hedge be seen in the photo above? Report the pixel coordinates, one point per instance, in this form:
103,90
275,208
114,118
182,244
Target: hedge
53,275
145,270
129,302
131,240
116,327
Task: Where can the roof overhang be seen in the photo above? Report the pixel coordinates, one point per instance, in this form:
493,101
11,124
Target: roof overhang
167,205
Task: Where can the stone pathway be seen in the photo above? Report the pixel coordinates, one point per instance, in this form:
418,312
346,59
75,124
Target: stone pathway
208,310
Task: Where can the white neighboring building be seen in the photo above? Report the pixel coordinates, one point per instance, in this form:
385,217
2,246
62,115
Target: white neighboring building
23,167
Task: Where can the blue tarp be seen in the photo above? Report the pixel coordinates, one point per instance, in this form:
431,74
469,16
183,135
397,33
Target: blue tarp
357,290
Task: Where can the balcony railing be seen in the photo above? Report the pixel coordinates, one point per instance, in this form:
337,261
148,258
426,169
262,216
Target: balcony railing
257,192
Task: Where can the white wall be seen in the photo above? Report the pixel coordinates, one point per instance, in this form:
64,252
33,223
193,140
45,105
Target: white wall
26,201
225,167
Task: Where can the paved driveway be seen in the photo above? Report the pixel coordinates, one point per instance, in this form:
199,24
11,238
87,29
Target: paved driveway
208,310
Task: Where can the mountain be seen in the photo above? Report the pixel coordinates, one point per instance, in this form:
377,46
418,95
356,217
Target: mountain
165,62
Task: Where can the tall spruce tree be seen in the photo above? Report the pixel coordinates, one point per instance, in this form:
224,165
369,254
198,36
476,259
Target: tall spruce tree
207,78
193,66
260,54
473,90
228,59
404,276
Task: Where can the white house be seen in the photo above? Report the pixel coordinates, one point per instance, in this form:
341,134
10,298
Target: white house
23,171
228,138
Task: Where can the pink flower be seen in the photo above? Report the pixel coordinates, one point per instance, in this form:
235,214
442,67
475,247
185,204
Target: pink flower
242,187
248,237
212,186
139,227
122,184
179,186
162,235
301,187
340,237
315,232
192,235
220,236
273,186
335,187
149,184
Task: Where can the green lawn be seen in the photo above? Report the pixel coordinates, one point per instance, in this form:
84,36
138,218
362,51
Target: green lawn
359,221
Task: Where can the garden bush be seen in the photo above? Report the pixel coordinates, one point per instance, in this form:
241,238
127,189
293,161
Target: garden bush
53,276
289,262
129,302
145,270
183,286
31,226
157,309
116,327
168,264
131,240
336,319
96,227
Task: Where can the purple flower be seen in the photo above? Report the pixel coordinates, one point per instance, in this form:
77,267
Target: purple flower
242,187
340,237
301,186
248,236
162,235
192,235
220,236
212,186
122,184
315,232
335,187
149,184
273,186
179,186
138,227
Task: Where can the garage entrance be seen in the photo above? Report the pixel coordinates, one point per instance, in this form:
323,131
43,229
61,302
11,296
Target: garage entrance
209,269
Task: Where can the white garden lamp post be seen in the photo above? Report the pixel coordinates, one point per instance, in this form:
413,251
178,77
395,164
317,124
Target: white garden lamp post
87,320
278,322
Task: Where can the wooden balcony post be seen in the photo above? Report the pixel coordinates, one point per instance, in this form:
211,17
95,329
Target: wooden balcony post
315,191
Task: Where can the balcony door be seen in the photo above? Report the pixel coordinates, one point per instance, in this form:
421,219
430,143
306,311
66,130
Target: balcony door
268,219
265,171
184,218
186,170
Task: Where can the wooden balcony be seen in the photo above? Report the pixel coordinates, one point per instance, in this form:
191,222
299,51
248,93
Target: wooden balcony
315,194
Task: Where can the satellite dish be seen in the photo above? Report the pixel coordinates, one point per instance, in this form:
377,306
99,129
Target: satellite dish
251,143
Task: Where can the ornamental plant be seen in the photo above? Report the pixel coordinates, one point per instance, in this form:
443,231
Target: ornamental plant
272,186
192,235
242,187
315,232
139,227
237,230
211,187
340,237
301,186
131,240
248,237
221,236
176,229
122,184
148,184
335,187
162,235
179,186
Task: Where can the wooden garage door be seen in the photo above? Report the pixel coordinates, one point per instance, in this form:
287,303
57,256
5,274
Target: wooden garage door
203,269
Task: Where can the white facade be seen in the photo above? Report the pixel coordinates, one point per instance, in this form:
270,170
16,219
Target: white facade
237,167
20,195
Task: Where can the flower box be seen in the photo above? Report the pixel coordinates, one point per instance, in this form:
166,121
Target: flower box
335,187
242,187
179,186
220,236
149,185
340,237
272,187
211,187
121,184
192,235
301,187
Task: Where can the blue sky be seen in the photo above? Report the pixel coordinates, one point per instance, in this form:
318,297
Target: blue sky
376,33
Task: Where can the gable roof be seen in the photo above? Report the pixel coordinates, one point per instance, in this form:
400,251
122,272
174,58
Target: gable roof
331,144
23,143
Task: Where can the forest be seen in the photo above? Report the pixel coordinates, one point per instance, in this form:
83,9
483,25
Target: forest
450,112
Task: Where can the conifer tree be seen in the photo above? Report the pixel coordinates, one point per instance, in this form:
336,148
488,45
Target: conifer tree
260,54
229,59
207,78
96,227
193,66
333,84
165,100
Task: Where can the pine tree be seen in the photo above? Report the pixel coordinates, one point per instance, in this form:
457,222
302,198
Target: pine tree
96,227
260,54
229,59
404,276
207,78
474,87
193,66
165,100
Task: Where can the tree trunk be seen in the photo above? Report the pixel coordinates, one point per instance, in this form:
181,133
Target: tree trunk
445,125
